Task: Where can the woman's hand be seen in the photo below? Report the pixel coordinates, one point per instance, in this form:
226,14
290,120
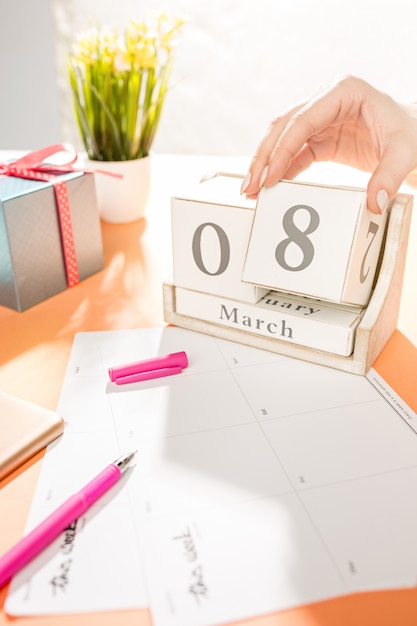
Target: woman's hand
349,122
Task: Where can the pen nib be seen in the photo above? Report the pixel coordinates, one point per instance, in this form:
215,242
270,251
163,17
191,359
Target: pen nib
124,461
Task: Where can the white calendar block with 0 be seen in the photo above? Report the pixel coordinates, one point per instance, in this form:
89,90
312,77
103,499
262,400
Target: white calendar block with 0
210,236
315,240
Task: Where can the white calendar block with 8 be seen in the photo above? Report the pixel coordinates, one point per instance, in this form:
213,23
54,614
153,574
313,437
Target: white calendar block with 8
210,236
315,240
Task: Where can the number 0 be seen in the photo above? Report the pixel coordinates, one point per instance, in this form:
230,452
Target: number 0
224,249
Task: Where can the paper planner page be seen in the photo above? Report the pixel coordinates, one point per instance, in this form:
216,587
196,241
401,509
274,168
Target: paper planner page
261,483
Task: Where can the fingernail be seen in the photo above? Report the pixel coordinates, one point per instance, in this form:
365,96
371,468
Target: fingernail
262,179
382,200
245,183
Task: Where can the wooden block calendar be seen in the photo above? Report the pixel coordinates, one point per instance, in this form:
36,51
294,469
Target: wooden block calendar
307,272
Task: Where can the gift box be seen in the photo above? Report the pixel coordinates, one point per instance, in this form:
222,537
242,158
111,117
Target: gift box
50,236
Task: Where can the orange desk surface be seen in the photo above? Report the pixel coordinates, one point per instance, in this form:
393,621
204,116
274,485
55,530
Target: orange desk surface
34,350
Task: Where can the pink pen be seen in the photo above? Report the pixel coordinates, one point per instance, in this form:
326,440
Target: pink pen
155,367
136,378
42,535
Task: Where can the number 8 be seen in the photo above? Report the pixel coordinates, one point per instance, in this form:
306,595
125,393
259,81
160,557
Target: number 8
297,236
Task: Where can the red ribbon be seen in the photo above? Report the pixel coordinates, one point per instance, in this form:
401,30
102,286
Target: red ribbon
33,166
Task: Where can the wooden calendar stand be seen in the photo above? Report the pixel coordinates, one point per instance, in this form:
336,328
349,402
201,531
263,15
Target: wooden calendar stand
376,326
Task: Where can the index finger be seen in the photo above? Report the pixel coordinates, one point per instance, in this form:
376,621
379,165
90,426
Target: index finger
264,150
330,108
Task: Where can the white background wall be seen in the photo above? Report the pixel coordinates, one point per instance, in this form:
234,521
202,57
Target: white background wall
29,104
241,62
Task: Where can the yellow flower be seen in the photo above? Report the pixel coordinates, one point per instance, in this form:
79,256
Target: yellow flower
135,31
144,54
122,61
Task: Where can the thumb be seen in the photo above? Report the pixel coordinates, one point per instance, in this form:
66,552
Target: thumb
388,176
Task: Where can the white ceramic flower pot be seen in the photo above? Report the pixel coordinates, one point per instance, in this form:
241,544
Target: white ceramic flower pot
122,200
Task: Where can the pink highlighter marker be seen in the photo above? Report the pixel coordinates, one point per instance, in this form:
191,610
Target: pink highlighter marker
156,367
42,535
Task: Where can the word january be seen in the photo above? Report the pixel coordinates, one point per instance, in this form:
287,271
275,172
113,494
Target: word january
294,307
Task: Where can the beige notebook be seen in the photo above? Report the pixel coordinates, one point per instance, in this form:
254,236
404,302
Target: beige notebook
25,428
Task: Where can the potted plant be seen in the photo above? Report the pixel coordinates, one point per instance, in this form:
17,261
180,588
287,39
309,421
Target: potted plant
119,84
